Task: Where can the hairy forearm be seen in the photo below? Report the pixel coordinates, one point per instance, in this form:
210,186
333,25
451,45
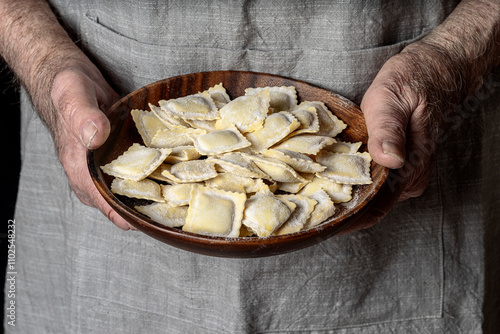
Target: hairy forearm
472,33
466,46
36,48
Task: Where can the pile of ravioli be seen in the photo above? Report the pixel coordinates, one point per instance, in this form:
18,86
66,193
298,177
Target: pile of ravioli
258,165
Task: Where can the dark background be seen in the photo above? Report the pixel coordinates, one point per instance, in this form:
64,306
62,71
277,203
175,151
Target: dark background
10,162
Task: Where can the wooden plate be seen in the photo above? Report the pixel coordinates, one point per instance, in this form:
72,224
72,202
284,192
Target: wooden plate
124,134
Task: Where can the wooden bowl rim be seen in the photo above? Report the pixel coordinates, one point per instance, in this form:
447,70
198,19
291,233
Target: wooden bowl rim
222,246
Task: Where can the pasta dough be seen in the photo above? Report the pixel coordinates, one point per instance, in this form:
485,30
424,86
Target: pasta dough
280,98
329,124
307,144
220,141
147,124
339,193
136,163
170,138
308,118
265,213
323,210
198,107
260,164
164,213
177,194
276,127
246,112
144,189
190,171
215,212
299,217
219,95
298,161
346,168
240,164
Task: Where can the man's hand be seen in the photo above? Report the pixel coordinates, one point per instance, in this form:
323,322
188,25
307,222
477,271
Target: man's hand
403,123
404,110
67,90
406,105
78,96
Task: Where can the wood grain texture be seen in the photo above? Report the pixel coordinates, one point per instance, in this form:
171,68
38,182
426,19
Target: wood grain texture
123,134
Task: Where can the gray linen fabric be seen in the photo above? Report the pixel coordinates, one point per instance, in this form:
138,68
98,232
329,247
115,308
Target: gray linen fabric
428,267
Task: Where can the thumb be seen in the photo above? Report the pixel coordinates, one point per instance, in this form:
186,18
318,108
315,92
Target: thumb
77,98
387,114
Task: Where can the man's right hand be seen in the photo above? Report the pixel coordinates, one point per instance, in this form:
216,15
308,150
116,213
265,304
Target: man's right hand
79,94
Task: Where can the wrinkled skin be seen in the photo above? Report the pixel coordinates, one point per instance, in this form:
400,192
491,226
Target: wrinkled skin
404,116
79,96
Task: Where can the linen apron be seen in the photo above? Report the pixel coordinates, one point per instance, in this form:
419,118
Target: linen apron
428,267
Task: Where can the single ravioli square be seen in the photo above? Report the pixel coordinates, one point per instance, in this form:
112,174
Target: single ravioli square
164,213
147,124
246,112
276,127
265,213
215,212
197,106
136,163
220,141
144,189
346,168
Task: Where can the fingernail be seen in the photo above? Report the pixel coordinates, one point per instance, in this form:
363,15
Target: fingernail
88,133
391,149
